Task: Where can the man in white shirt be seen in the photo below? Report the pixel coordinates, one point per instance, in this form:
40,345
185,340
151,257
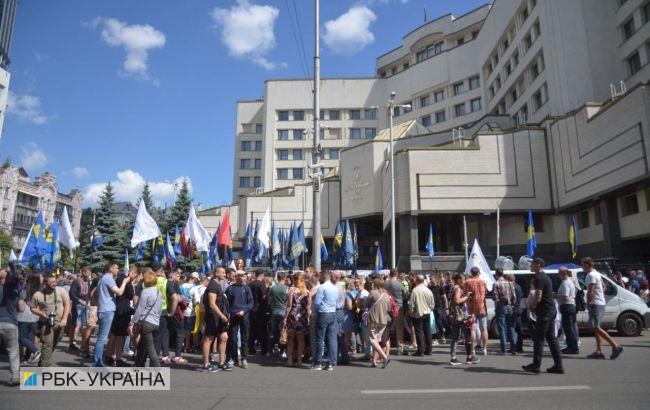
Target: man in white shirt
596,308
566,299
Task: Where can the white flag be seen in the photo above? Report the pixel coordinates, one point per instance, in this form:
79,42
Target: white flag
12,256
196,232
66,237
477,259
145,228
265,230
22,251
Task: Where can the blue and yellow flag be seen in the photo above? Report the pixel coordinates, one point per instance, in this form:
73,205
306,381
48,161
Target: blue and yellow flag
36,246
348,246
573,237
531,238
177,241
169,250
53,252
139,250
159,250
379,263
324,255
430,247
297,245
126,262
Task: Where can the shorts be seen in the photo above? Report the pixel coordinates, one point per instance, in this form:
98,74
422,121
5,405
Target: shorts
481,322
92,316
189,323
214,326
80,315
120,325
596,313
376,332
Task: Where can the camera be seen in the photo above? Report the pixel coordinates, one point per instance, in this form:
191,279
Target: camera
51,319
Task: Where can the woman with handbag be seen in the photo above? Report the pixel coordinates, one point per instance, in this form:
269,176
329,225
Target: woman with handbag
459,320
296,322
145,320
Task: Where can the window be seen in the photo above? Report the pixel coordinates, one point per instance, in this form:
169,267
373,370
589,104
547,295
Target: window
515,58
460,41
598,220
505,44
382,74
429,52
283,154
322,114
459,88
634,63
333,153
628,29
513,95
322,134
244,182
371,132
459,110
524,14
283,135
4,215
258,145
474,34
426,120
536,30
257,182
6,192
524,113
538,99
508,69
258,128
405,66
297,173
393,71
283,173
335,115
528,41
534,71
355,133
474,83
424,101
629,205
258,164
439,96
245,146
297,155
244,164
421,55
440,116
497,82
583,219
283,115
298,115
355,114
476,104
645,12
297,135
369,114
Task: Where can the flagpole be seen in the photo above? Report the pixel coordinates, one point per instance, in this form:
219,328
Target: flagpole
498,232
316,223
465,236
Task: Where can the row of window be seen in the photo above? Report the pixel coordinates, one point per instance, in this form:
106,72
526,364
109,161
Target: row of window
245,182
296,173
513,60
332,115
629,26
250,146
250,164
353,133
297,154
459,111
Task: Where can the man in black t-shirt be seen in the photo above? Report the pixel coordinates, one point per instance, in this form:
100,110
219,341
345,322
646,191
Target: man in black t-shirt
216,325
545,311
258,316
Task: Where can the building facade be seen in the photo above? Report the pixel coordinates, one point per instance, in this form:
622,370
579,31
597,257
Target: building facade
519,105
21,200
7,15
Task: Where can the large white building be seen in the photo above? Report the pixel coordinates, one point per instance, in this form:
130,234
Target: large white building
553,102
7,15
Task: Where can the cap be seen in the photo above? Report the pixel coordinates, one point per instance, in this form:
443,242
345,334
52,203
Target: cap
194,275
155,266
539,261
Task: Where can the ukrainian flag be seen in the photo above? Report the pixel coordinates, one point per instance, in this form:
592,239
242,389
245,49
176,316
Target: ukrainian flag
573,237
379,263
531,238
323,250
430,247
126,262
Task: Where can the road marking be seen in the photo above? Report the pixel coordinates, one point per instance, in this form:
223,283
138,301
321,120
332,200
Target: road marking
477,390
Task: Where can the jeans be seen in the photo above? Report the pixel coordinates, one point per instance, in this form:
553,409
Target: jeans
440,328
258,331
161,336
326,329
26,332
9,337
238,324
146,346
516,318
104,321
345,354
176,324
367,348
82,315
506,327
458,329
545,329
423,333
568,312
276,325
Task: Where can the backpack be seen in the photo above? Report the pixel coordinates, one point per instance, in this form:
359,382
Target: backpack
393,312
581,305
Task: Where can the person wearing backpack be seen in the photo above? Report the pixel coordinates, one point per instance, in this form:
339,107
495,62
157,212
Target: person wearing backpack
421,304
566,299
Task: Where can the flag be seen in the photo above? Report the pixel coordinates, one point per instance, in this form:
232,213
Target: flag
255,245
430,246
191,249
477,259
248,246
338,243
224,233
35,246
184,248
355,243
145,227
66,236
297,245
379,263
169,251
213,254
531,239
177,241
301,232
23,250
264,231
96,239
573,237
12,256
323,250
275,247
139,251
159,250
196,232
53,252
348,246
126,261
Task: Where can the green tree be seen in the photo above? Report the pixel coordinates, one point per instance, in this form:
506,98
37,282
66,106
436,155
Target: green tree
181,209
6,245
105,223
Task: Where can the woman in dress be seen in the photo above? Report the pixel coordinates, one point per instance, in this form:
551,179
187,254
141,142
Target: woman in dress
459,320
297,318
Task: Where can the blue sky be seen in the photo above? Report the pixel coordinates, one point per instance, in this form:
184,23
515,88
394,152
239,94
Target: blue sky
133,91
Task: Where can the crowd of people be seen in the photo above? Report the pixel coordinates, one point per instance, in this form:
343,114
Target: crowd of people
320,318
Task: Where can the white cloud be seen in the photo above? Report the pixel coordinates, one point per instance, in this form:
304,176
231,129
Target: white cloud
128,187
350,32
136,39
27,108
247,30
32,156
80,172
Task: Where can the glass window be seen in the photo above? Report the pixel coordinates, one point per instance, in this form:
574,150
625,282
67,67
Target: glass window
474,83
333,153
335,115
598,217
355,133
283,173
583,219
371,133
629,205
283,135
393,70
370,114
474,34
283,115
645,12
298,115
355,114
459,88
426,120
534,71
257,182
459,110
258,145
476,104
434,49
634,63
460,42
283,154
628,29
244,163
297,173
439,96
440,116
322,114
258,164
538,99
421,55
528,41
297,134
297,155
258,128
424,101
244,182
245,146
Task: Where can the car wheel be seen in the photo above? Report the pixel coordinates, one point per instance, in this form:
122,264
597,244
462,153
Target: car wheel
629,324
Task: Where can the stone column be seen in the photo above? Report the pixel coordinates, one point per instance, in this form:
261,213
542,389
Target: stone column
611,228
408,255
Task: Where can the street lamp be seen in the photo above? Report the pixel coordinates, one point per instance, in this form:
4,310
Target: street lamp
391,112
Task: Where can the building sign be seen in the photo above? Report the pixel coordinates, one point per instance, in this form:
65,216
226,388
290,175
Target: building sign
355,190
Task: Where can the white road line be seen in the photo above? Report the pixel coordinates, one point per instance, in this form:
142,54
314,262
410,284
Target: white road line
478,390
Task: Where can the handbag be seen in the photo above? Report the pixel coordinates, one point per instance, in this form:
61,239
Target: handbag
457,312
284,335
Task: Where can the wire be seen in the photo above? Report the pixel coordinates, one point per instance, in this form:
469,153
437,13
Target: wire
300,48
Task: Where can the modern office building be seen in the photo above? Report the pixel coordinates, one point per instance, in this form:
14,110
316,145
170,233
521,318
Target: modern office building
519,105
7,15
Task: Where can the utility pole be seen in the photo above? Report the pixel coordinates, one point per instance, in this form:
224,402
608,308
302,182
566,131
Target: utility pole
316,229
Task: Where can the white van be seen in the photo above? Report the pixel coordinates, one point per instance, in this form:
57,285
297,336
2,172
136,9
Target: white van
625,311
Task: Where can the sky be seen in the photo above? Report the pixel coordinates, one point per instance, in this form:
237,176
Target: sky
133,91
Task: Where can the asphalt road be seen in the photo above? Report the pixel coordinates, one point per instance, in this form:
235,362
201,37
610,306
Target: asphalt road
408,383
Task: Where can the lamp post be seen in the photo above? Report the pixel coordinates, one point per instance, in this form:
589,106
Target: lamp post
391,112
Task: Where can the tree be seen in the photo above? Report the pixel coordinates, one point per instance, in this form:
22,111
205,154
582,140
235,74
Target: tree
181,209
105,223
6,245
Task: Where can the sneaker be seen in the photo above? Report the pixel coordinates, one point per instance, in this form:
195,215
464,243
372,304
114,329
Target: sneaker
512,353
35,357
436,343
316,367
244,364
596,355
73,346
329,367
225,367
485,351
166,360
454,362
555,369
180,360
283,355
616,352
570,351
129,353
208,368
531,369
231,362
443,341
14,382
472,360
563,345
